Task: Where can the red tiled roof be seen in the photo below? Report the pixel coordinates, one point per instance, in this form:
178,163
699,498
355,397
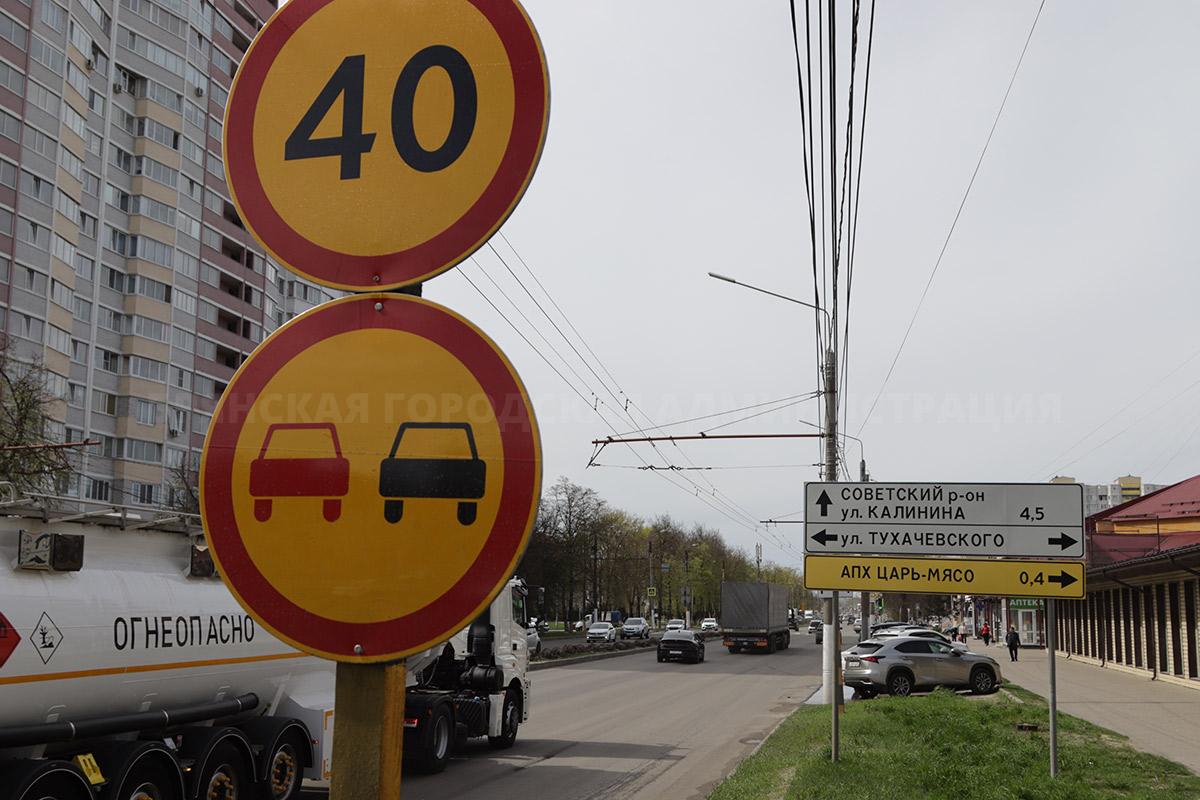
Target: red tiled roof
1112,548
1174,502
1180,501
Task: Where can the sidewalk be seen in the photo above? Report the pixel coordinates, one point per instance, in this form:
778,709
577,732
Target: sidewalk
1159,718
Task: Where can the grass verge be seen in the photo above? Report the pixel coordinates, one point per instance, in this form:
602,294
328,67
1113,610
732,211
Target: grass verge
943,745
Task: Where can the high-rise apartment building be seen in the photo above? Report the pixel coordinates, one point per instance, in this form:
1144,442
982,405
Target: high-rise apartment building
1097,498
124,267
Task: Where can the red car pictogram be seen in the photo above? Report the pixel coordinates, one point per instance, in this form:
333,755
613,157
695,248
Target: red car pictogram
275,474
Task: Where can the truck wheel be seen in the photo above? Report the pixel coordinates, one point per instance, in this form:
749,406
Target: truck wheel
770,644
510,718
332,508
226,775
466,512
59,780
285,770
393,510
435,748
262,509
152,778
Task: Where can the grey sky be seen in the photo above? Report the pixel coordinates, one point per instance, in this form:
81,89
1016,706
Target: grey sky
1066,291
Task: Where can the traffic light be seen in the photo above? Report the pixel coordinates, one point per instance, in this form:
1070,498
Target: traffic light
880,602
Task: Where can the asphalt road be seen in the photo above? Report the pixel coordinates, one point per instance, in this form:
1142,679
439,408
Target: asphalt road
630,727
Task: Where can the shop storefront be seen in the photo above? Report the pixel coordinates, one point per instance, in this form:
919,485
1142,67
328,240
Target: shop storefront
1025,614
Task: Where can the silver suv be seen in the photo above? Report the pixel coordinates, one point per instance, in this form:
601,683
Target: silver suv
900,665
635,628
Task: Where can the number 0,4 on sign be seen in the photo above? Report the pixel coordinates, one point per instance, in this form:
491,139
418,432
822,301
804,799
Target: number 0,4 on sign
372,145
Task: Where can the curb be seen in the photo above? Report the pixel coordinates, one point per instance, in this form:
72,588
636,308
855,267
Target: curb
563,662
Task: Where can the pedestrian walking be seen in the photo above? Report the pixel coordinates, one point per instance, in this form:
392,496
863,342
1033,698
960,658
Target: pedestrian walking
1013,640
986,633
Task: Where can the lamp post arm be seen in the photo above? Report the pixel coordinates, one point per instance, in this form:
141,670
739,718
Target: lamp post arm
736,282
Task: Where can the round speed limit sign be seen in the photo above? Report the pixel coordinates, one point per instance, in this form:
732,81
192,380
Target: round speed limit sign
371,144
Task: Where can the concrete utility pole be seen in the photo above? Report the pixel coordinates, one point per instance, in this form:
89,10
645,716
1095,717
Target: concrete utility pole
651,543
831,688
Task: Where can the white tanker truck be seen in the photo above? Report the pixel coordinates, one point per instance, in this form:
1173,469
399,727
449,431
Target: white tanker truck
127,670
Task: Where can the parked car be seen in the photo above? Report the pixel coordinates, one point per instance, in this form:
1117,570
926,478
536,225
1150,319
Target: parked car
602,632
635,628
533,640
676,625
858,625
709,624
900,665
924,633
681,645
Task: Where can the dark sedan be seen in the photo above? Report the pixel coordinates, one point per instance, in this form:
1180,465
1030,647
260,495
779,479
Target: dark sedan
681,646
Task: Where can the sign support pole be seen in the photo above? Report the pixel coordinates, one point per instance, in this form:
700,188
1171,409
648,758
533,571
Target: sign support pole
1052,645
368,731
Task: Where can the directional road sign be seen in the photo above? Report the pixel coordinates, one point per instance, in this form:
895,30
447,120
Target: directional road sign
370,145
974,520
370,477
1061,579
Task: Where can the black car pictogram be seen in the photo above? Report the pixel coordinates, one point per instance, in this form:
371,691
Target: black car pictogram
402,478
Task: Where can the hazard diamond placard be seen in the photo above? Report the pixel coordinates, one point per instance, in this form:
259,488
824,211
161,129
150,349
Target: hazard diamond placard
9,639
370,478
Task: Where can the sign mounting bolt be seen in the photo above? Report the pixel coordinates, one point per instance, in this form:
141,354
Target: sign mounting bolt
358,651
376,279
379,306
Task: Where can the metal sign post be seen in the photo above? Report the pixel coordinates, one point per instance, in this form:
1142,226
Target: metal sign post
1052,645
831,648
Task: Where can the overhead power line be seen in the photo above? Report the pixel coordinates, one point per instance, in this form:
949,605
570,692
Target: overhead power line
957,216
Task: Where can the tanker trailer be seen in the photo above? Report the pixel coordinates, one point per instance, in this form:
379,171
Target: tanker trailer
128,670
127,667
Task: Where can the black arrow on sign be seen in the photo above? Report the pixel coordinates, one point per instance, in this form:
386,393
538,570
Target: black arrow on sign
1063,580
1063,541
823,501
825,538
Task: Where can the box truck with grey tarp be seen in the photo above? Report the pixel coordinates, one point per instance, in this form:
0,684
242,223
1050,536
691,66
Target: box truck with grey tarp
755,617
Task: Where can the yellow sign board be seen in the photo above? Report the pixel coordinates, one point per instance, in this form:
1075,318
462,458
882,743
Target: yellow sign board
1060,579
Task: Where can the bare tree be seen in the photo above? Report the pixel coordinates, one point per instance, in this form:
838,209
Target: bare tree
183,488
28,457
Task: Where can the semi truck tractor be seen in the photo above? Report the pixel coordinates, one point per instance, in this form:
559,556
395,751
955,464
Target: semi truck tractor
755,617
128,670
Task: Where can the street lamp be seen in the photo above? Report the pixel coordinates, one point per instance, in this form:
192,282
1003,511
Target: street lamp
736,282
831,607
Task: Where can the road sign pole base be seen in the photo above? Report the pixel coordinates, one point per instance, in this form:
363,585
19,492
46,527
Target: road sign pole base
368,731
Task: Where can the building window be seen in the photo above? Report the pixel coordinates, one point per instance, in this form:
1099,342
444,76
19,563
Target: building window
104,403
98,489
146,412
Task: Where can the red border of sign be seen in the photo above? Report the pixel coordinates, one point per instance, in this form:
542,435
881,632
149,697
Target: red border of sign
451,246
391,639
